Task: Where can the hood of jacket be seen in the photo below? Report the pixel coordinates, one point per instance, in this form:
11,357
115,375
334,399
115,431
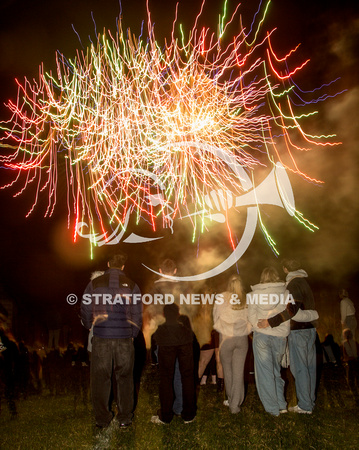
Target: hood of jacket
296,274
267,296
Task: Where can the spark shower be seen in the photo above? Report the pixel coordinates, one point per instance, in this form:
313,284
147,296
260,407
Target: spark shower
163,133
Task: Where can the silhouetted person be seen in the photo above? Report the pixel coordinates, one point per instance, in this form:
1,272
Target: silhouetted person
35,369
80,376
54,324
9,357
350,359
331,350
164,288
24,369
331,371
175,341
347,317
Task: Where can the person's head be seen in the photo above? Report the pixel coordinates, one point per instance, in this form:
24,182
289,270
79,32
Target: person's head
329,340
290,265
235,286
117,260
270,275
343,293
168,267
171,312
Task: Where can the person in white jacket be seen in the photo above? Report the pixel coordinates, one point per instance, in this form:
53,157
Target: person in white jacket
230,319
267,299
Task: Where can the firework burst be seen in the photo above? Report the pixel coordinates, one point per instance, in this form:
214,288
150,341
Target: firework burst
128,121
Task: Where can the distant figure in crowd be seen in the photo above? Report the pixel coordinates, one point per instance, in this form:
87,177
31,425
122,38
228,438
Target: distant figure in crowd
24,369
79,374
350,350
9,358
116,324
348,319
175,342
351,363
231,321
36,371
302,338
54,323
331,351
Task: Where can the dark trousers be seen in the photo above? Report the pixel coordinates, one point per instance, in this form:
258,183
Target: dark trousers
167,359
112,356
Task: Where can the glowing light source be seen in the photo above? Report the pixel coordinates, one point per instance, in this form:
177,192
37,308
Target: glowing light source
120,120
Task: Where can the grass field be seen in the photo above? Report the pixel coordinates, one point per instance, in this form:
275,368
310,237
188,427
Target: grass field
52,422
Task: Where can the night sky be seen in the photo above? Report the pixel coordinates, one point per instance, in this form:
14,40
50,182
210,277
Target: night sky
40,265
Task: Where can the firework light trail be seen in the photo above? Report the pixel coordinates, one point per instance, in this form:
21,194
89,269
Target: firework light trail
121,118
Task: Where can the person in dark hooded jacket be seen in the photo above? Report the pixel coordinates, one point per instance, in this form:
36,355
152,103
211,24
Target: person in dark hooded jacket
175,340
112,303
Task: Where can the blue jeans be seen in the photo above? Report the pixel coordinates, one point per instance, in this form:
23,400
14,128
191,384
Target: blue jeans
177,387
303,365
268,352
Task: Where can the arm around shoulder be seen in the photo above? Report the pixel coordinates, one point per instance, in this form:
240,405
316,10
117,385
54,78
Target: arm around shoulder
307,315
